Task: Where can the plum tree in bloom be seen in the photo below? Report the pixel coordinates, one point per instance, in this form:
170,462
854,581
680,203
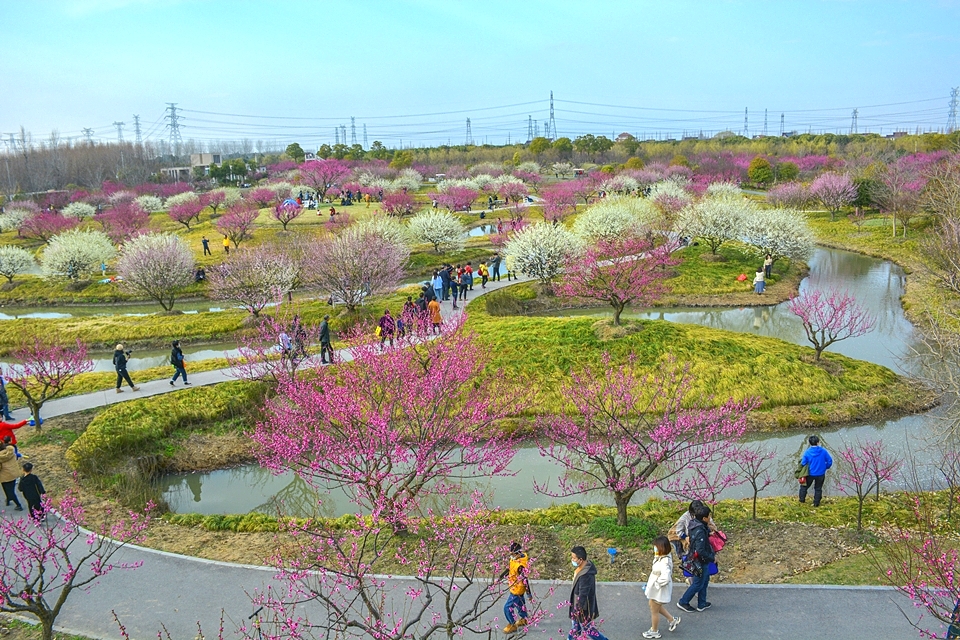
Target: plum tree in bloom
584,188
615,217
286,212
755,465
559,200
455,198
866,465
783,233
45,225
542,250
181,198
899,191
395,426
386,227
561,169
633,429
14,217
76,253
514,191
79,210
791,195
238,223
41,370
671,197
321,175
158,265
257,357
45,563
620,184
123,221
358,263
149,203
830,317
834,191
399,203
14,261
723,190
441,229
619,271
213,199
715,220
185,212
253,278
262,196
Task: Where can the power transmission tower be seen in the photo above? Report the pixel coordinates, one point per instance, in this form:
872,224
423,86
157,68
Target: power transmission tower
746,129
954,103
88,133
536,129
336,135
764,123
529,128
174,125
853,121
343,133
781,125
136,129
353,130
119,126
364,135
551,131
469,139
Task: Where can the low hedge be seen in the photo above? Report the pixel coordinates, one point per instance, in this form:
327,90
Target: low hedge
137,427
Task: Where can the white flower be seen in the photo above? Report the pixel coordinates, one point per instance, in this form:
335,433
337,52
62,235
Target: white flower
541,250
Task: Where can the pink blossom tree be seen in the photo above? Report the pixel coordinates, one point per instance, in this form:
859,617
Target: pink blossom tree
253,278
584,188
262,196
258,357
791,195
619,271
158,265
185,212
286,212
755,465
45,225
455,198
830,317
398,203
41,370
44,564
238,223
559,200
356,264
323,174
632,429
834,191
515,192
123,221
866,465
212,199
395,426
899,191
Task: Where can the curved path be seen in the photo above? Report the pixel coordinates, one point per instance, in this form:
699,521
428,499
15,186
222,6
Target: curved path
179,591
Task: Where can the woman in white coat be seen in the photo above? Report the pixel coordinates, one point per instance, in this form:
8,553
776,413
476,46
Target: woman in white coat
659,589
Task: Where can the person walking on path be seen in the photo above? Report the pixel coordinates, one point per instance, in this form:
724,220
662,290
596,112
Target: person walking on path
759,281
4,401
325,348
819,460
515,609
387,327
299,338
495,267
659,589
484,274
120,364
433,307
226,245
176,359
702,555
436,283
7,431
767,265
9,472
583,598
678,534
468,272
445,278
206,246
33,491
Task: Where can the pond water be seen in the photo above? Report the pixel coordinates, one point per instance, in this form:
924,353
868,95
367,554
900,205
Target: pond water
877,284
481,230
107,309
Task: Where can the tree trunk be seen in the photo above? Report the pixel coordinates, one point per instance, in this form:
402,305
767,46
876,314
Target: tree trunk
617,310
859,514
621,501
46,629
755,504
35,412
819,350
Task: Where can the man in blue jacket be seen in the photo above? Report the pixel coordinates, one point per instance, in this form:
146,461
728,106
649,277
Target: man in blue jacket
819,460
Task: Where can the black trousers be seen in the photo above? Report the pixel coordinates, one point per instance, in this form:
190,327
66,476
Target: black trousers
817,483
10,492
326,351
123,375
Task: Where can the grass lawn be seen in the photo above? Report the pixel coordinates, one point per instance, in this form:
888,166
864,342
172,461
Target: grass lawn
696,275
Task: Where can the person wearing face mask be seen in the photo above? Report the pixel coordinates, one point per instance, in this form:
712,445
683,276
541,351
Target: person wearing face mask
659,589
515,610
583,597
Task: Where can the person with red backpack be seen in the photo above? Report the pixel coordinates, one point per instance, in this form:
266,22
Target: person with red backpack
699,556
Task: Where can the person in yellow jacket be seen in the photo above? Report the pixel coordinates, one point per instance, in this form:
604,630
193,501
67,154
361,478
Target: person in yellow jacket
515,610
484,274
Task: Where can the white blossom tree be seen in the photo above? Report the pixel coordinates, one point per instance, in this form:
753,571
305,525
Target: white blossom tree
715,220
620,184
14,217
441,229
724,190
783,233
389,228
75,253
181,198
157,265
408,179
14,261
541,250
79,210
530,166
615,216
562,168
148,203
254,277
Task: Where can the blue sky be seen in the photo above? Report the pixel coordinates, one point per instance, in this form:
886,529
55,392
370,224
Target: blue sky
295,70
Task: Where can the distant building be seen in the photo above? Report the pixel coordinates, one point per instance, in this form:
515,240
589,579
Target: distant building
177,174
205,160
896,134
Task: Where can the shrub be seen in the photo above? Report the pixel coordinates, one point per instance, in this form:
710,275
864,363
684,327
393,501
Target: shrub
637,533
75,253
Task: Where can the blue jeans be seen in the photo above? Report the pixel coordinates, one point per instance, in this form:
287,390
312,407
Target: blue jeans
515,603
579,630
697,586
438,292
180,372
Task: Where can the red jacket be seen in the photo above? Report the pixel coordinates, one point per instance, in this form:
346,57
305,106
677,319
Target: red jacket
6,429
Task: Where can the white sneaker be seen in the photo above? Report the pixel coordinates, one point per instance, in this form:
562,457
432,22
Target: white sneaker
673,625
650,633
